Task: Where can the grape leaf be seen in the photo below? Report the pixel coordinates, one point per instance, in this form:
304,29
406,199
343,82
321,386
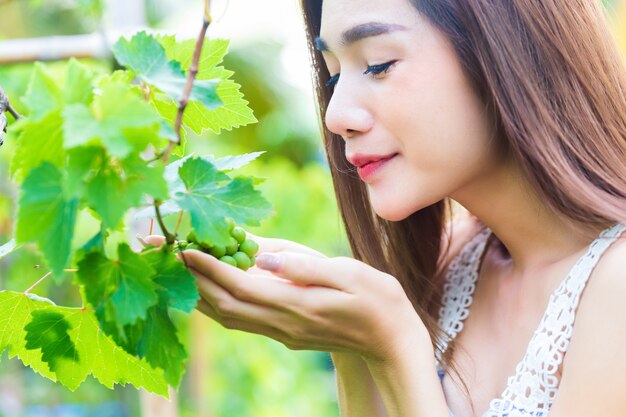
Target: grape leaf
160,346
129,180
210,196
96,353
234,112
47,216
44,94
124,289
48,331
227,163
176,285
146,57
82,164
40,140
111,118
175,184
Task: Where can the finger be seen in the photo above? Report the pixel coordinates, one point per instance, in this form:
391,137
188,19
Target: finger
232,323
264,330
312,270
229,307
267,244
257,289
155,240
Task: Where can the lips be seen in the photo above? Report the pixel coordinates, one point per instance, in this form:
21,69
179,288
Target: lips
367,165
359,160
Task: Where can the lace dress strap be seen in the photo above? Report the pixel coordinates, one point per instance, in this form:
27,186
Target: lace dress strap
458,289
534,385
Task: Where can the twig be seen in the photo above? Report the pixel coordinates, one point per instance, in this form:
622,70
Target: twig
169,237
191,76
180,218
42,279
5,105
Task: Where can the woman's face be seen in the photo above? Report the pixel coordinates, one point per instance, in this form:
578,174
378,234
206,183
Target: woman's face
403,96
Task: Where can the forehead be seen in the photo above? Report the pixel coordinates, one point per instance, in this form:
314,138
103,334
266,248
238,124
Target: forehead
339,16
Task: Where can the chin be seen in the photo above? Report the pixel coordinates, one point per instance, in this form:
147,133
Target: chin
391,212
397,206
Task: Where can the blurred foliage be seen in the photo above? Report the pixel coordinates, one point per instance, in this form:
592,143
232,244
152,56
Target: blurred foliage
247,375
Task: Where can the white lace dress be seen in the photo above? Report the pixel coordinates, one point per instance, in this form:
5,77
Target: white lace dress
533,388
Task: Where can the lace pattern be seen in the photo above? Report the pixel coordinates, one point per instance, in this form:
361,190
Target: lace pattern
533,388
459,288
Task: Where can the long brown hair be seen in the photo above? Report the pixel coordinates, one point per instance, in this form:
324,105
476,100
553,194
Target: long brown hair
552,74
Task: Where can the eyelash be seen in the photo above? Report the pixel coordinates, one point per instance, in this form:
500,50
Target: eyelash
374,69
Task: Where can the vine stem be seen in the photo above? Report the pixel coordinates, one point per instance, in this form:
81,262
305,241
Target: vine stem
5,105
42,279
169,237
191,76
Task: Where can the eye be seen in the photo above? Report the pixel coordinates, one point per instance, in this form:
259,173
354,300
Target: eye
379,69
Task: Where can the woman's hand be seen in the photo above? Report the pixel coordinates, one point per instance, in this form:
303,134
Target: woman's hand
307,301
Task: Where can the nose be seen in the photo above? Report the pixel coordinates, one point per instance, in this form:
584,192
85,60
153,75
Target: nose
346,114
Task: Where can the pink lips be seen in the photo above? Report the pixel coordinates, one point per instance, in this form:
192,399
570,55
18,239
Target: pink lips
367,165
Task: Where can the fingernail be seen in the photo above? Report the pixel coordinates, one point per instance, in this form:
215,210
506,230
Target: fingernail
270,261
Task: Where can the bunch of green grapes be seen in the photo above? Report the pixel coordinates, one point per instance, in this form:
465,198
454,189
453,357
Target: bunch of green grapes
240,252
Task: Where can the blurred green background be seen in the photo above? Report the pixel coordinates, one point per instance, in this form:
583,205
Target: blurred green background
230,373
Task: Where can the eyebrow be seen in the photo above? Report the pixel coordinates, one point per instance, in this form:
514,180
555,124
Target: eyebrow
362,31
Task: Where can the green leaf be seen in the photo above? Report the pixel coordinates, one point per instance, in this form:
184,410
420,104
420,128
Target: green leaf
146,57
96,353
83,163
48,331
40,140
129,180
160,346
111,119
176,285
210,196
47,216
235,111
43,93
78,83
124,288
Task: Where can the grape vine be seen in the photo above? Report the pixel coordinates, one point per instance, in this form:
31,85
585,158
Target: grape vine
99,145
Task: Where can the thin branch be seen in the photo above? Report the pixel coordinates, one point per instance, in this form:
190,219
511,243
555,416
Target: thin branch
42,279
5,105
169,237
180,218
191,76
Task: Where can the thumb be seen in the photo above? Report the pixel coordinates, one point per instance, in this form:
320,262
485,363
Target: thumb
305,269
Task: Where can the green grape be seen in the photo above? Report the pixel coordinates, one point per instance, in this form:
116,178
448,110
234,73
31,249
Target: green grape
195,246
250,247
239,234
230,223
243,262
218,251
252,261
232,247
192,237
206,246
229,260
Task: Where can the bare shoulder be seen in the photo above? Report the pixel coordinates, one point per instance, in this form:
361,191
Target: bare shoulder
594,369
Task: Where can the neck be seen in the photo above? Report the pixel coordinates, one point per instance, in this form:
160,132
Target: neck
534,235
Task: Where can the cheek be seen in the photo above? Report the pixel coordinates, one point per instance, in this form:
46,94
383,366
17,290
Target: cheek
444,134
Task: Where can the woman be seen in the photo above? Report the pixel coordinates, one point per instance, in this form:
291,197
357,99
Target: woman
516,109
